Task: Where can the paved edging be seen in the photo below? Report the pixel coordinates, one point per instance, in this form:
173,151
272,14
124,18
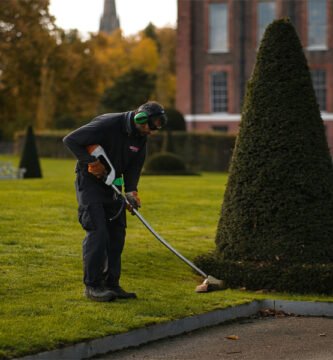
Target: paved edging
141,336
305,308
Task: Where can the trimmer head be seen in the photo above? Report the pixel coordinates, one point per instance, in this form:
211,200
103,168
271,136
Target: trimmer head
210,284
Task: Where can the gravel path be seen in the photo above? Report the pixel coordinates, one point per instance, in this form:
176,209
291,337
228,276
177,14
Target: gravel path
273,338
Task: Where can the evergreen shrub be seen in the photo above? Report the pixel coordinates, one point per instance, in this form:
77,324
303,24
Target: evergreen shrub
254,275
30,160
276,223
165,163
176,120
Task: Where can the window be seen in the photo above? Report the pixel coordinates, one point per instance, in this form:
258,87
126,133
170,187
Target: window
220,128
266,14
319,84
317,24
218,28
219,92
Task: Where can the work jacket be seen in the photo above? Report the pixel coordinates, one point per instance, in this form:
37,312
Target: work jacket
124,146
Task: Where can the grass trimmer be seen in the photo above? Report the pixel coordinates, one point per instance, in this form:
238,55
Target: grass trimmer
210,283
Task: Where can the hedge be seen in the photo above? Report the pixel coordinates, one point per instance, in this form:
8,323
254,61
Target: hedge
200,151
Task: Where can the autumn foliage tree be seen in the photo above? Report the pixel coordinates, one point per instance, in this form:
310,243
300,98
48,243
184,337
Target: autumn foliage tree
52,78
129,91
164,38
77,85
129,67
26,45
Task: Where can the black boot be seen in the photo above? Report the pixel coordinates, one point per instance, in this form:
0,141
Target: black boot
99,294
120,293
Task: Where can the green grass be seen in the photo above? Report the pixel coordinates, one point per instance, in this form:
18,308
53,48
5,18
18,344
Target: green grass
41,294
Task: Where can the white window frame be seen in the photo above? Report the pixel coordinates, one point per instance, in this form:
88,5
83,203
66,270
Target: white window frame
219,92
261,25
319,81
218,28
312,6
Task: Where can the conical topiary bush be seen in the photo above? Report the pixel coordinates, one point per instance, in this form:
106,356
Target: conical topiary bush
276,225
30,160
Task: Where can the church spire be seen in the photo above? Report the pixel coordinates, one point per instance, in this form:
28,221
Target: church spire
109,20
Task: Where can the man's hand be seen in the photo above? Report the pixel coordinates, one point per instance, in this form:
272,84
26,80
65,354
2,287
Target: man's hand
134,201
97,168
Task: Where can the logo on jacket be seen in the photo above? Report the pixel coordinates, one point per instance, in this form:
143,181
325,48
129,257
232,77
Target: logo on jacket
134,148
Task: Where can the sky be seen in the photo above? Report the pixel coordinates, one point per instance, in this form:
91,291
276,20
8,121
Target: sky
134,15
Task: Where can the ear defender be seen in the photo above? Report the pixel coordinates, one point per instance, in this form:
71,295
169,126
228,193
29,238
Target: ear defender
141,118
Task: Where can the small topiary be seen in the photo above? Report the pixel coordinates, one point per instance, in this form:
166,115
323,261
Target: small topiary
166,163
30,160
176,121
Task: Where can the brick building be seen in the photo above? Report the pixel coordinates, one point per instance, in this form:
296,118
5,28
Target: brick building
217,42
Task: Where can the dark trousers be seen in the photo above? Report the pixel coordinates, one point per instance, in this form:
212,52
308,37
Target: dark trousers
103,244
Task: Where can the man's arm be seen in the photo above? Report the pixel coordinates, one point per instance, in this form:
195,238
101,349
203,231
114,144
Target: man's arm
131,180
78,140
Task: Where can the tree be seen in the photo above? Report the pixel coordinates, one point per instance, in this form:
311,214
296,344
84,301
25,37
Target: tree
150,32
25,45
129,91
77,84
117,55
165,40
166,72
52,78
276,224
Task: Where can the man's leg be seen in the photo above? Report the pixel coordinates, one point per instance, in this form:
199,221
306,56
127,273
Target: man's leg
117,233
92,219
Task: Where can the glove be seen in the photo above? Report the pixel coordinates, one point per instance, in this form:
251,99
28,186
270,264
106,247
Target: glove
97,169
134,201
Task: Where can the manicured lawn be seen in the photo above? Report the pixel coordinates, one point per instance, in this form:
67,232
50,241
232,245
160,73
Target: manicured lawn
41,294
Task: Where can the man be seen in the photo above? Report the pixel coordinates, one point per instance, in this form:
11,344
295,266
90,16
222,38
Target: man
123,137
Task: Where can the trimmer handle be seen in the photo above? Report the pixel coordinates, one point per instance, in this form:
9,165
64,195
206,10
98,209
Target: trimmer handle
99,153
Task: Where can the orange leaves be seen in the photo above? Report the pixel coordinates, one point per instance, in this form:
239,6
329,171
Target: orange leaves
232,337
